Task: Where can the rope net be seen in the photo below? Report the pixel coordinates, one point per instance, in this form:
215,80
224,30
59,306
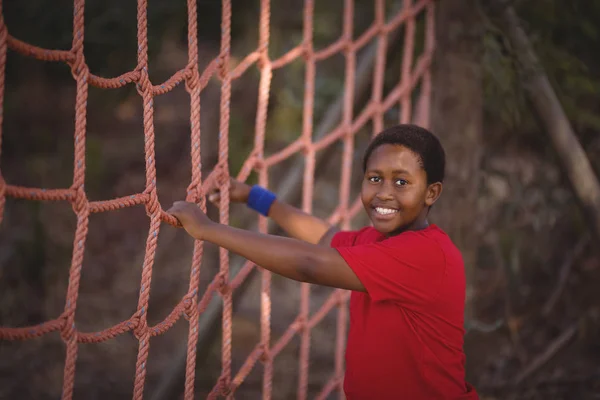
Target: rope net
192,305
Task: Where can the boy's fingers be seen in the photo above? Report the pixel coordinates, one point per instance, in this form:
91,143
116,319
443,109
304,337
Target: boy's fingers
213,186
177,209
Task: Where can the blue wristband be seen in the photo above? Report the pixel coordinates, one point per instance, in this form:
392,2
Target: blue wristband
260,199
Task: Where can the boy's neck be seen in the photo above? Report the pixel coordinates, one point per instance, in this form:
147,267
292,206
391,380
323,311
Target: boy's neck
419,225
415,226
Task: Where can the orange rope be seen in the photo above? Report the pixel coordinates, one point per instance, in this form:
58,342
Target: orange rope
190,306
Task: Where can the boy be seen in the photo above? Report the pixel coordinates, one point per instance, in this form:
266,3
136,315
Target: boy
407,277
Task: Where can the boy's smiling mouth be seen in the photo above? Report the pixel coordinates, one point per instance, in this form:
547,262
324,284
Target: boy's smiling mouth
384,212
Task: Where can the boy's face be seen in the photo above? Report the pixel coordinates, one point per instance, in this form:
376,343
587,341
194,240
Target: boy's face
395,192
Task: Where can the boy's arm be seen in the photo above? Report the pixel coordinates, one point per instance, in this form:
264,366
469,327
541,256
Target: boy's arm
295,222
300,225
294,259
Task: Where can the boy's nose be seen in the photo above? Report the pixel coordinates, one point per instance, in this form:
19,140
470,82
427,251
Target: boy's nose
384,194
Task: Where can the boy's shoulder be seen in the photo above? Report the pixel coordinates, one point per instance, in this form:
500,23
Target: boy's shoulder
432,237
438,238
368,235
364,235
432,233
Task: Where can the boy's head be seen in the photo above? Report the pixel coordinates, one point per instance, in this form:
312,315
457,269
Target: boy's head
403,173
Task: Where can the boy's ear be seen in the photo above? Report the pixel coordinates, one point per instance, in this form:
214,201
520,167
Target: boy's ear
433,193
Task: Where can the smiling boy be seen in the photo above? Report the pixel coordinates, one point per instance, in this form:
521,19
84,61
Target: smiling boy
406,276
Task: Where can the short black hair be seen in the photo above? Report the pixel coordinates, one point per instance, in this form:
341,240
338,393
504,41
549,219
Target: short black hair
420,141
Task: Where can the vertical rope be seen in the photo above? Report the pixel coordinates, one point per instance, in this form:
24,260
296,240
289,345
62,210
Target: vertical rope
407,60
379,70
153,209
194,195
261,123
309,166
347,113
429,48
224,202
80,205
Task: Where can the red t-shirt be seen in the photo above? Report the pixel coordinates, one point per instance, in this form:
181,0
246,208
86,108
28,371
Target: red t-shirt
406,332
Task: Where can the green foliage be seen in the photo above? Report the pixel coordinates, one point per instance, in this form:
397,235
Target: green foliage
563,35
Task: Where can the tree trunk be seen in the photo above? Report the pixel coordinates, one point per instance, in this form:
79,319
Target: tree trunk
456,118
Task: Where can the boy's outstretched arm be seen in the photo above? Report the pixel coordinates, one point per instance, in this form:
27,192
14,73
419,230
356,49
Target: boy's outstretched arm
295,222
294,259
300,225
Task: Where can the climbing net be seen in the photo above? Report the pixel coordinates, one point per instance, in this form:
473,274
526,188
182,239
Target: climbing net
192,305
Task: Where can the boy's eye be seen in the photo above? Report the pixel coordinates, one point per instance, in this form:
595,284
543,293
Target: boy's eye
377,179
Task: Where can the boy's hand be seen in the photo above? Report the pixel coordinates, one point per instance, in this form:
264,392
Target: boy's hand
192,218
238,192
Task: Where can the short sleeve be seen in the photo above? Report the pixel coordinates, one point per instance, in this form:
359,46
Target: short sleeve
408,268
343,238
353,238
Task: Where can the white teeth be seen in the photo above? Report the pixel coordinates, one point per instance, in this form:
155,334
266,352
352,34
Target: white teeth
385,211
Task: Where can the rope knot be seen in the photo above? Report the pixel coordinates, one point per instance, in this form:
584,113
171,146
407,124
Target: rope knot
263,59
190,305
259,163
224,386
153,205
79,67
301,323
80,201
67,330
193,193
348,46
308,52
222,285
143,86
266,353
193,80
222,67
140,325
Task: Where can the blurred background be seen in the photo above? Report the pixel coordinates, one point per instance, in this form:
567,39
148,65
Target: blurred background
526,223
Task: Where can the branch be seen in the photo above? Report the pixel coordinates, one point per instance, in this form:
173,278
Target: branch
479,326
544,357
564,274
544,100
